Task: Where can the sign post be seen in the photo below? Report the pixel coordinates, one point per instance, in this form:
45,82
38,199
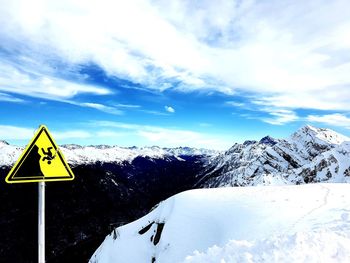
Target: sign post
41,161
41,222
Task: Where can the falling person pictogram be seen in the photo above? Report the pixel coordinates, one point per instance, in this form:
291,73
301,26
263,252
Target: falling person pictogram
48,155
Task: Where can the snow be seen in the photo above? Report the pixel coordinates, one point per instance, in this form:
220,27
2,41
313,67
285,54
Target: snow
304,223
309,247
9,153
319,134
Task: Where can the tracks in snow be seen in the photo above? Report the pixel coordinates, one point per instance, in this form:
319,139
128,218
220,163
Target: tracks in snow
324,203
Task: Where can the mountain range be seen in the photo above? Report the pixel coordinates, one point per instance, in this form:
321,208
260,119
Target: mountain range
79,155
115,185
309,155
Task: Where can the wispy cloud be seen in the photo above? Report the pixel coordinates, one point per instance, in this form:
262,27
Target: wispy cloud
113,124
331,98
235,104
169,109
8,132
9,98
280,116
256,109
72,134
101,107
336,119
41,85
154,112
110,134
167,137
128,106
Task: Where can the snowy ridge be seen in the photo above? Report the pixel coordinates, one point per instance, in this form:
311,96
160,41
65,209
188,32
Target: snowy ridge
76,154
306,223
309,155
319,135
9,153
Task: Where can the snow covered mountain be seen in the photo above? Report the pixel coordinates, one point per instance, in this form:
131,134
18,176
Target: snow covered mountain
77,155
306,223
309,155
104,153
9,153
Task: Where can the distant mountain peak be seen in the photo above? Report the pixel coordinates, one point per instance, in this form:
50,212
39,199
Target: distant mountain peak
310,127
268,140
71,146
2,142
249,142
101,146
320,135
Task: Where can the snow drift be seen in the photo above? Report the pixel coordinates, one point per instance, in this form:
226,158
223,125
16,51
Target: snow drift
306,223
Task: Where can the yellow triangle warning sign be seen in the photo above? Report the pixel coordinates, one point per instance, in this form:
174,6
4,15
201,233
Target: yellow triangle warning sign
41,161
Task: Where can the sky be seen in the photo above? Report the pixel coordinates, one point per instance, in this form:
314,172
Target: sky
172,73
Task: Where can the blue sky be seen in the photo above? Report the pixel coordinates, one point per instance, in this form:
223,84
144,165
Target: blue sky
173,73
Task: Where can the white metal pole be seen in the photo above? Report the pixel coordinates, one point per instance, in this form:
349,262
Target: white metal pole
41,223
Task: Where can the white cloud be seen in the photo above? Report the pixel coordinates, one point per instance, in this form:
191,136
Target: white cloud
175,138
42,86
168,137
129,106
9,98
8,132
292,53
124,38
332,98
169,109
109,133
101,107
235,104
72,134
153,112
280,116
335,119
120,125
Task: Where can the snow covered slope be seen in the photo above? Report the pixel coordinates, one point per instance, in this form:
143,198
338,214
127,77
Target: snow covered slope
309,155
9,153
306,223
76,154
